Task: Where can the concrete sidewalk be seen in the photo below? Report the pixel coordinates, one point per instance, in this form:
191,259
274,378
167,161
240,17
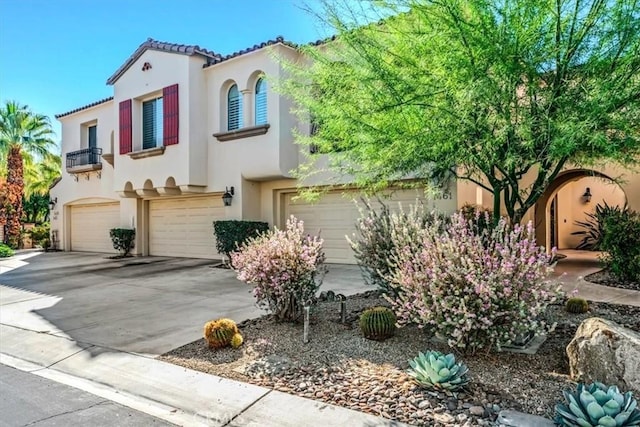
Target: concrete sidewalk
572,270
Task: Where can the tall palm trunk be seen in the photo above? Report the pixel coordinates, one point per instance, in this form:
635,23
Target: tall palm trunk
15,189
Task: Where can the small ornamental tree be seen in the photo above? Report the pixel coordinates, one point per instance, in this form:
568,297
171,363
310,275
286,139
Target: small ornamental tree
285,267
474,290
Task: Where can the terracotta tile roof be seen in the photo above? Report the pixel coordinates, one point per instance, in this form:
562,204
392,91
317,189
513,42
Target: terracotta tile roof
93,104
151,44
277,40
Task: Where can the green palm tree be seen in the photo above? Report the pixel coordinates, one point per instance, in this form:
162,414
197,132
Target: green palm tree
38,177
21,131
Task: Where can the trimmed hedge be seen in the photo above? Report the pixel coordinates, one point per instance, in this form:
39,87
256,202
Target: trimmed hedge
5,251
230,235
123,239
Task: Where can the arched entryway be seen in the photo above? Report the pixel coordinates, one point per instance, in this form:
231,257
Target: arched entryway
569,198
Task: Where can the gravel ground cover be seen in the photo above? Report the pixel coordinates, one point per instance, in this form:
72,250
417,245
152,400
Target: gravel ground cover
340,367
605,278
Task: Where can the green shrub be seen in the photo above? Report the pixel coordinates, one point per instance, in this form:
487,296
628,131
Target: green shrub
593,228
40,235
232,234
621,242
123,239
5,251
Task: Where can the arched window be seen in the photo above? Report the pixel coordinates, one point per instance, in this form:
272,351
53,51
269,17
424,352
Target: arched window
234,108
261,102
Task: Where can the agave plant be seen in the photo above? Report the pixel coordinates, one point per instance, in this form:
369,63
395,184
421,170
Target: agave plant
435,370
596,405
593,227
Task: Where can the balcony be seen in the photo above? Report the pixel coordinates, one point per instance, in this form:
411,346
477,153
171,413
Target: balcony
86,160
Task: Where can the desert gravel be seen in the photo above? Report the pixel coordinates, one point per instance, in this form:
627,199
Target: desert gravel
341,367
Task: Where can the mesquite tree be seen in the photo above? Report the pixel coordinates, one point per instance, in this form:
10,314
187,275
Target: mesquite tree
486,91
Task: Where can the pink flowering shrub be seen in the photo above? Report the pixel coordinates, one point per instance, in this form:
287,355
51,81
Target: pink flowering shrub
372,246
474,289
285,267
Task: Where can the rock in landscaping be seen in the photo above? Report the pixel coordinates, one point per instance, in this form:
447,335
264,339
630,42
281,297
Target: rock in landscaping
520,419
606,352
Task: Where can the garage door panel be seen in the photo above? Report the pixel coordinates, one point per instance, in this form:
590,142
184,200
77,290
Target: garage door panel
334,216
184,227
90,225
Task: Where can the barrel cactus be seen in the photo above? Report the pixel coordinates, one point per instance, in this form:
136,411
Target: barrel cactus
236,341
378,323
219,333
577,305
434,370
597,405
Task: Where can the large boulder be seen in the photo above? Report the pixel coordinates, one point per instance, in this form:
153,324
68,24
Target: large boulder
606,352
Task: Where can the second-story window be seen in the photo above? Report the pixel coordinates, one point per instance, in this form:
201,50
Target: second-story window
234,108
152,123
92,136
261,102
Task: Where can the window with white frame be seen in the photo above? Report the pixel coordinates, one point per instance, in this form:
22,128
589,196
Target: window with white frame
261,102
152,123
234,108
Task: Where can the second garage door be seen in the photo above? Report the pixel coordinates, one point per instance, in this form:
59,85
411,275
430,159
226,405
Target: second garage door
90,225
335,216
184,227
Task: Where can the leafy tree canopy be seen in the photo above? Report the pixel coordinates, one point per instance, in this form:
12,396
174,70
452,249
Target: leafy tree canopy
485,90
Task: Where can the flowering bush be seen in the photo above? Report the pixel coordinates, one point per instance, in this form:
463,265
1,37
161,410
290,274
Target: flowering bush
285,267
476,290
373,248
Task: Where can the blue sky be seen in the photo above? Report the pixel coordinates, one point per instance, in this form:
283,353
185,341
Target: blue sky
56,55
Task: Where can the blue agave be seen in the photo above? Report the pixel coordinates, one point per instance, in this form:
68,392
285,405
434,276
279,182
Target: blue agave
435,370
596,405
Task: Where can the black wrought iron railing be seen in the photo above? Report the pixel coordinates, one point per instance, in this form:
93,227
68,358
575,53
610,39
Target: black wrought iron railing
88,156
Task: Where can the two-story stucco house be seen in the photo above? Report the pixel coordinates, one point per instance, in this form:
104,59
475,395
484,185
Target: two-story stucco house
186,126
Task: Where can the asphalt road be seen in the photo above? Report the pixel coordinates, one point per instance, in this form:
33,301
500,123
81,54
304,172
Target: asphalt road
27,399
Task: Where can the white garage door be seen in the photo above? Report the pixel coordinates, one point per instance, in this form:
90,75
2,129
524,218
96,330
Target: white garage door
184,227
335,216
90,225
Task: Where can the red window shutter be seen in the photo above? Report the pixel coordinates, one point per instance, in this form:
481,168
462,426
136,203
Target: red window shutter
170,114
126,134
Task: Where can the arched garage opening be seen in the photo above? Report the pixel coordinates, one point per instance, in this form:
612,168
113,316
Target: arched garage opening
570,198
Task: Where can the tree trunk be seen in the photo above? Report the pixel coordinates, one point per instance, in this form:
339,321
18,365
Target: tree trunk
15,190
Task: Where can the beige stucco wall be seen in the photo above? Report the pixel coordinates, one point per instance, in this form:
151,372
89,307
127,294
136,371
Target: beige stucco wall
572,208
184,162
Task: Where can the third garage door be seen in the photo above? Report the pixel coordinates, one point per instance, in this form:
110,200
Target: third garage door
184,227
335,216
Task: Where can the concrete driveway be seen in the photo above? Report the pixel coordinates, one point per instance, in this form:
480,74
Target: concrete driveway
146,305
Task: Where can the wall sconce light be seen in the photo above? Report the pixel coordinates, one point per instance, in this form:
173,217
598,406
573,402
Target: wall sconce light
586,197
227,196
52,203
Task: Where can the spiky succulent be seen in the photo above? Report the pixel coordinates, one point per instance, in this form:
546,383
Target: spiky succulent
218,333
378,323
577,305
597,405
236,340
435,370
